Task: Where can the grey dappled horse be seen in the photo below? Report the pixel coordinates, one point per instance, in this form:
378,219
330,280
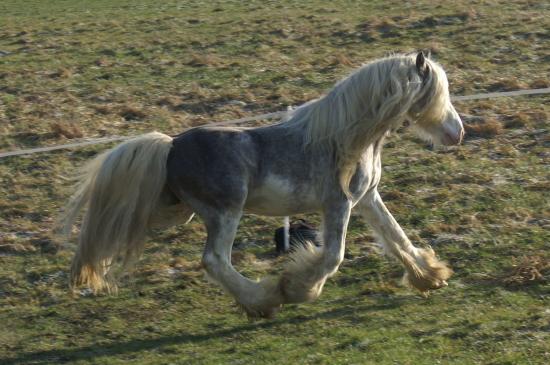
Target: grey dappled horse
323,157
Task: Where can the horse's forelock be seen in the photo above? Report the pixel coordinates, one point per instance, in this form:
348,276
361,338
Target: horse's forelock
433,97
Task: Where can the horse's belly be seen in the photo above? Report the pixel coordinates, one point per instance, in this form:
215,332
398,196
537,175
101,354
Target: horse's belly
277,197
273,207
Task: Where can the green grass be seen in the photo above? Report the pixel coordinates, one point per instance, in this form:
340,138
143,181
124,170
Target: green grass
71,69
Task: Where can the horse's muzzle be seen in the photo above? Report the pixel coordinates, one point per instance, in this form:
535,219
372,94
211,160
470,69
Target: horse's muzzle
451,138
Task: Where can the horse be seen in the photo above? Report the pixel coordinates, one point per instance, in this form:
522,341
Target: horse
321,157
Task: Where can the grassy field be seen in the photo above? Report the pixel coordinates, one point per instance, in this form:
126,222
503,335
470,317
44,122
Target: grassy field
72,69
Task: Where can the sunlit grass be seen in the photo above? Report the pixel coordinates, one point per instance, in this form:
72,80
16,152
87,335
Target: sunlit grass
72,69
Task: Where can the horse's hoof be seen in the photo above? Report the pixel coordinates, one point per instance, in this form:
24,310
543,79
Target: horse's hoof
264,313
440,284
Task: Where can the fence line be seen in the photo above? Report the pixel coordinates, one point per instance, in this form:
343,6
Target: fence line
501,94
266,116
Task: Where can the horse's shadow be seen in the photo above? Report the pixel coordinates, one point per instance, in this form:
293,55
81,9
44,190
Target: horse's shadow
57,356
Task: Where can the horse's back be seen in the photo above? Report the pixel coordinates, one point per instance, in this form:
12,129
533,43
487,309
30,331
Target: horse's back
263,170
212,165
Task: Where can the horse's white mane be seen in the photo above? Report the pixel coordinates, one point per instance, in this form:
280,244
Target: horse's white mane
371,101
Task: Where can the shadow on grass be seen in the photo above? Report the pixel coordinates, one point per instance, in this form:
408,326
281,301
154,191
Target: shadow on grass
95,351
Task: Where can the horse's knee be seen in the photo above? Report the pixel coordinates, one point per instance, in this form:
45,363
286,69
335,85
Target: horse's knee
209,262
212,263
332,262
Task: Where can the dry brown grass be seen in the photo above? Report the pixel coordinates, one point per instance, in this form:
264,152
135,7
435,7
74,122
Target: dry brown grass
66,130
203,60
539,186
516,120
62,73
14,248
132,112
341,59
181,263
103,62
385,23
393,195
243,258
169,101
528,270
539,84
435,229
489,128
141,56
103,109
510,84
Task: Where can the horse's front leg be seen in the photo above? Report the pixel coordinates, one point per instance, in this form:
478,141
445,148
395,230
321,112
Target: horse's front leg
305,276
423,270
335,225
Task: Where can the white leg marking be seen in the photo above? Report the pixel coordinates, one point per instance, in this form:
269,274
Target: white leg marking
424,270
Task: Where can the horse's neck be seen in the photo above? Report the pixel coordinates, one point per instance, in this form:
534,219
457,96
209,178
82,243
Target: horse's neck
374,147
367,148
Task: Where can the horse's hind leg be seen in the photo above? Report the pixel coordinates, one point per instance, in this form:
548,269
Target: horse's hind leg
256,298
424,270
303,278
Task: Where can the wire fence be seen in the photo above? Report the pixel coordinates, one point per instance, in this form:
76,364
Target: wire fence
268,116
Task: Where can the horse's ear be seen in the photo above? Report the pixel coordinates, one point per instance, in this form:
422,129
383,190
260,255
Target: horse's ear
420,61
421,65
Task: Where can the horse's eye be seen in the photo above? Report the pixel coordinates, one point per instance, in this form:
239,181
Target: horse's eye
406,123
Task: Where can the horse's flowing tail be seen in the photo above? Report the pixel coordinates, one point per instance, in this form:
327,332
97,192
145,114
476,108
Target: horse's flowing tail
120,190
